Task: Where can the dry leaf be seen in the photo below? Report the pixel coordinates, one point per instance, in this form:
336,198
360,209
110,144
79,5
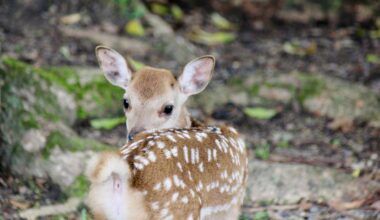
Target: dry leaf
376,205
71,19
19,205
339,205
305,205
342,123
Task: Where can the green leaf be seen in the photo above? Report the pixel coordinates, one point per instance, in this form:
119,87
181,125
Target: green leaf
83,214
135,28
220,22
296,48
373,58
260,113
177,12
159,9
262,152
136,65
261,216
356,172
208,38
106,123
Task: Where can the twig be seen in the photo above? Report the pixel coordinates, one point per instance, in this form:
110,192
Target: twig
69,206
273,207
122,43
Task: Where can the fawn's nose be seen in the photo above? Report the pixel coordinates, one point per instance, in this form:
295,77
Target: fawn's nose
133,132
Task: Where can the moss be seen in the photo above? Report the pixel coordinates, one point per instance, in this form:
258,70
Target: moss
79,188
106,97
254,90
25,98
262,151
235,81
310,86
71,143
64,77
103,95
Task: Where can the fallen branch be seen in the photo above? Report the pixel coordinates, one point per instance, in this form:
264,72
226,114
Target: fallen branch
272,208
70,205
132,46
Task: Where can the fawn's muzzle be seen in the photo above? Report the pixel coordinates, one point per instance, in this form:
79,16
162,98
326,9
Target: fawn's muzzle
133,132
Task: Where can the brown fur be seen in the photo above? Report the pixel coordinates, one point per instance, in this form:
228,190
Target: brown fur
145,201
147,178
151,82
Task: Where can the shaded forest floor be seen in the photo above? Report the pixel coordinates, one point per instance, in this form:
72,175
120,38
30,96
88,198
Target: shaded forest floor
292,136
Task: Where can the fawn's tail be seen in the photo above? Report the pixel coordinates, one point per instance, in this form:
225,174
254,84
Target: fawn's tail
107,165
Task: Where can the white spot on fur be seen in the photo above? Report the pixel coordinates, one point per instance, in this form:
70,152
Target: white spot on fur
171,138
192,155
176,180
167,184
192,193
209,157
167,154
152,156
190,176
184,200
160,144
175,196
155,205
157,186
214,153
200,167
174,151
179,166
190,217
185,154
164,212
138,166
233,130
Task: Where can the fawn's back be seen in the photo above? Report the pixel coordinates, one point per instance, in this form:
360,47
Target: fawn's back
194,173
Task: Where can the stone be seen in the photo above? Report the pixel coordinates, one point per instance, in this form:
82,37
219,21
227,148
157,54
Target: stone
275,94
290,183
64,167
33,140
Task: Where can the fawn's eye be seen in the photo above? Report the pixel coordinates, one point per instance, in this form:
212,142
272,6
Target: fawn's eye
126,103
168,109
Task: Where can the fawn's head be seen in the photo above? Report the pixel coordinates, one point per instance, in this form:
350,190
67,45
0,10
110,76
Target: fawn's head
154,98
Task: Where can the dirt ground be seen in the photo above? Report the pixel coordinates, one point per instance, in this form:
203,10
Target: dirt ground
30,32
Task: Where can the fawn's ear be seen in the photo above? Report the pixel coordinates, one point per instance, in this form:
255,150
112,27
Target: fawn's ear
196,75
114,66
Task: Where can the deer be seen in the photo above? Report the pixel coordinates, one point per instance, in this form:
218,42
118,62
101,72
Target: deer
168,169
154,98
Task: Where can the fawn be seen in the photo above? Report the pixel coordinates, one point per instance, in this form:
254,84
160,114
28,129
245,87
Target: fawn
168,170
154,98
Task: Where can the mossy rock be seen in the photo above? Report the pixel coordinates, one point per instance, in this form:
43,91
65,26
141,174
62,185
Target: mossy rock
71,143
26,99
47,101
316,93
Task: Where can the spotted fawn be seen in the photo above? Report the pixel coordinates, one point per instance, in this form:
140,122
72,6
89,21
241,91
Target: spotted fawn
168,169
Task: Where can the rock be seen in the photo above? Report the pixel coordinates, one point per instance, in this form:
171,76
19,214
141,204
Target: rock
64,167
240,98
275,94
317,93
341,99
33,140
38,108
289,183
174,46
67,103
